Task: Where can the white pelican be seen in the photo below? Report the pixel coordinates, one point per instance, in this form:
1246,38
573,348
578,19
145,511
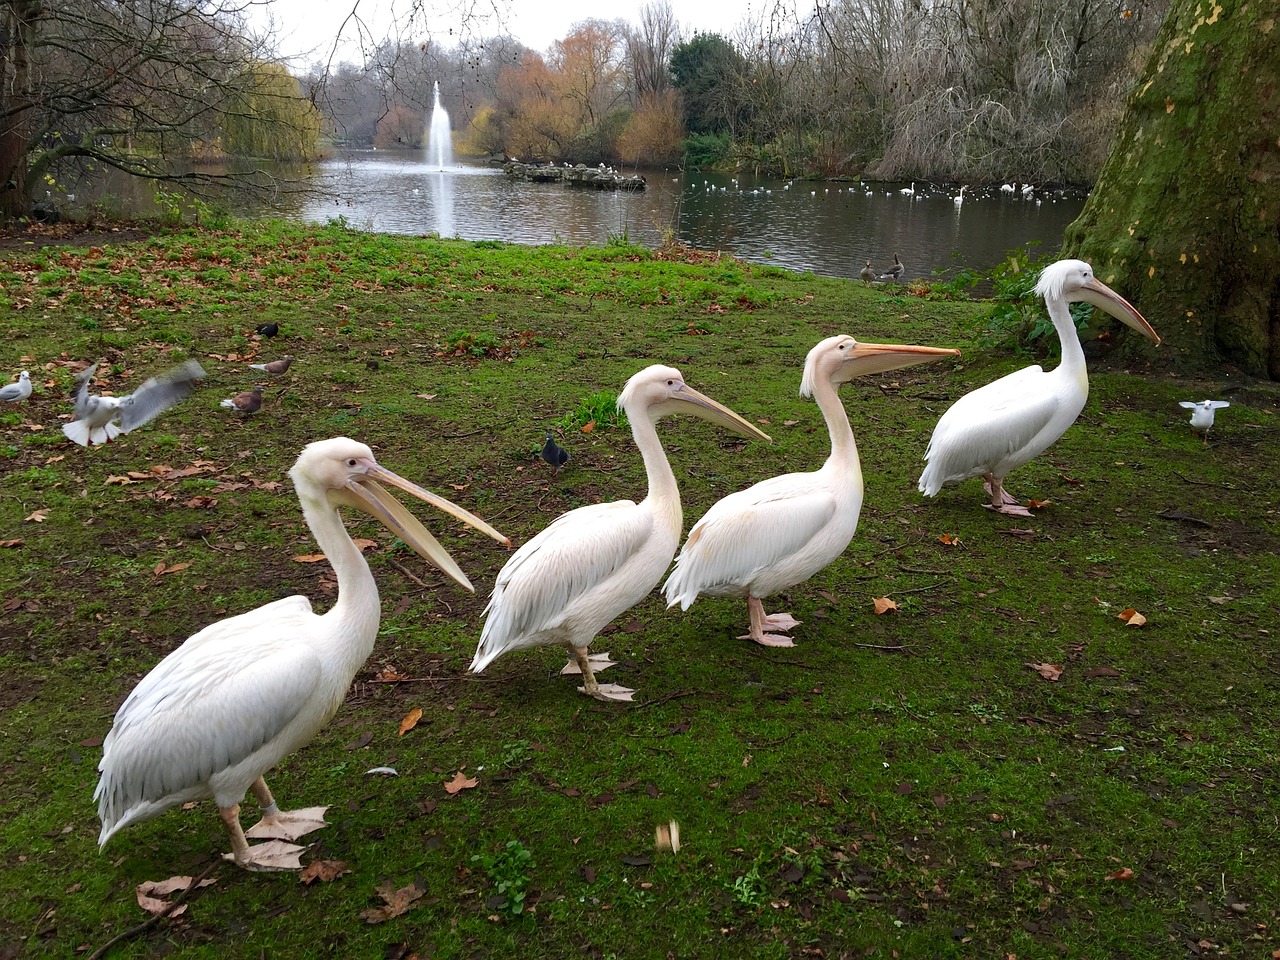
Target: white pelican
1202,415
96,417
894,271
593,563
243,693
13,392
783,530
867,273
1006,423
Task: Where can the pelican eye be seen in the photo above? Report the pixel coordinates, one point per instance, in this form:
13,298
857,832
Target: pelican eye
352,462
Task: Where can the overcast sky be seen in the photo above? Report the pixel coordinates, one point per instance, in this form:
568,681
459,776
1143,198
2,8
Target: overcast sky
307,28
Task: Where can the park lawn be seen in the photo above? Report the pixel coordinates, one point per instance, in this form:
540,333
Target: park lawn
898,784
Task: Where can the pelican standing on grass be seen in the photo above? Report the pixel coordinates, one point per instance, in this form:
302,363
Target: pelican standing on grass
244,693
1006,423
783,530
593,563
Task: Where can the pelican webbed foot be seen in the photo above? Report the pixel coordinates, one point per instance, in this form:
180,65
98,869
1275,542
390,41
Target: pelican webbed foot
609,691
762,622
272,856
1001,501
598,661
288,824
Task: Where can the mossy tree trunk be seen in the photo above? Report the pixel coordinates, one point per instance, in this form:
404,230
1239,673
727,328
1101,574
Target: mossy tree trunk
1185,217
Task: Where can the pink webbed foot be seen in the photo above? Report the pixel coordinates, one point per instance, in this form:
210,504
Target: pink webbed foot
762,622
609,691
780,621
1001,501
274,855
288,824
769,639
598,662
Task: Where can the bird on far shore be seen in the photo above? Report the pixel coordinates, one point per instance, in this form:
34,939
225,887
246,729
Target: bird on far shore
867,273
13,392
275,367
894,271
1202,415
554,454
267,329
99,419
247,402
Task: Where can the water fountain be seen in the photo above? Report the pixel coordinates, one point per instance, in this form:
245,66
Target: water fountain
439,135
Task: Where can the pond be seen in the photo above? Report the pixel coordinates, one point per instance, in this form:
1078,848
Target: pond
829,228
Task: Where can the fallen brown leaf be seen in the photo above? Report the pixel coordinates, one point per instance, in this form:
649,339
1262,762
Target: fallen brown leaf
1123,873
460,781
364,543
1050,671
410,720
38,516
397,901
588,426
1037,504
1101,672
883,605
308,558
152,894
323,870
160,569
1132,617
15,542
949,540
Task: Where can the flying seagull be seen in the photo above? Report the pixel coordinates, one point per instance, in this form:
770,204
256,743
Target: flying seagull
554,454
247,402
99,419
13,392
1202,415
276,367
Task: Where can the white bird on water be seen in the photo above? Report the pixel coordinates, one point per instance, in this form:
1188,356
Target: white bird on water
13,392
242,694
593,563
1202,415
784,530
1001,426
96,417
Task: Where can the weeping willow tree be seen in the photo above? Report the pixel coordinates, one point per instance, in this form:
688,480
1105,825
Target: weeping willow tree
268,118
1185,218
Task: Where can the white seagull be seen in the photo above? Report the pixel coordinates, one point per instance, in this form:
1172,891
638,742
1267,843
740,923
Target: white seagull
1202,415
783,530
593,563
1003,425
244,693
96,417
13,392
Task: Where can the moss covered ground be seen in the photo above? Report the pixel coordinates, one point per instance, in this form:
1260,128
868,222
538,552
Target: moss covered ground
899,784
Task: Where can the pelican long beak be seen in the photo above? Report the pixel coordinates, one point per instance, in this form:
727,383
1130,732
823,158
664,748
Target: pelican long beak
1096,292
371,497
699,404
868,358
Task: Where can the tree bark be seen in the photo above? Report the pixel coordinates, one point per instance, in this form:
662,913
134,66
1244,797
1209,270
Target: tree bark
17,29
1185,217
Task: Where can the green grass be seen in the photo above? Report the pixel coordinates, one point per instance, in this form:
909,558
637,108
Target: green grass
901,782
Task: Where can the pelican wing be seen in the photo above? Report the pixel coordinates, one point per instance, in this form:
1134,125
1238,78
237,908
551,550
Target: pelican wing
539,584
749,532
985,427
210,705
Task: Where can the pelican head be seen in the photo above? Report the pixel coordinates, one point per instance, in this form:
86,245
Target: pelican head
1074,280
841,358
657,391
343,473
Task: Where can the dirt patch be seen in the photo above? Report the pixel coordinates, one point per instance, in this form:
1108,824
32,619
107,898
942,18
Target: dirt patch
36,235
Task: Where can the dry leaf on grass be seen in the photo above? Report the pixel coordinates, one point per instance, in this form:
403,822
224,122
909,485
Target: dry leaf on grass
161,569
460,781
308,558
16,542
1050,671
323,870
153,894
397,901
1037,504
1131,617
410,720
38,516
588,426
1123,873
883,605
949,540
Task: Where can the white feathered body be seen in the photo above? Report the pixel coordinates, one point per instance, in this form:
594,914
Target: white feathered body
1005,424
226,706
768,537
1202,413
13,392
98,423
585,568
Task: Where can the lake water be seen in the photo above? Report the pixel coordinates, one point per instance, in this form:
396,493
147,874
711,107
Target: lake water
825,227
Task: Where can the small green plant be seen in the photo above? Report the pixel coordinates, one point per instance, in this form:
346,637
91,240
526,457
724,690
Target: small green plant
985,712
1017,319
508,871
749,889
515,753
475,344
600,408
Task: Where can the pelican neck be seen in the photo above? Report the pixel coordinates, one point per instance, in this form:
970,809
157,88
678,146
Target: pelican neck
1072,351
358,602
844,449
663,495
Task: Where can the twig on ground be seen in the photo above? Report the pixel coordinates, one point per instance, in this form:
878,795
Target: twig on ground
156,917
